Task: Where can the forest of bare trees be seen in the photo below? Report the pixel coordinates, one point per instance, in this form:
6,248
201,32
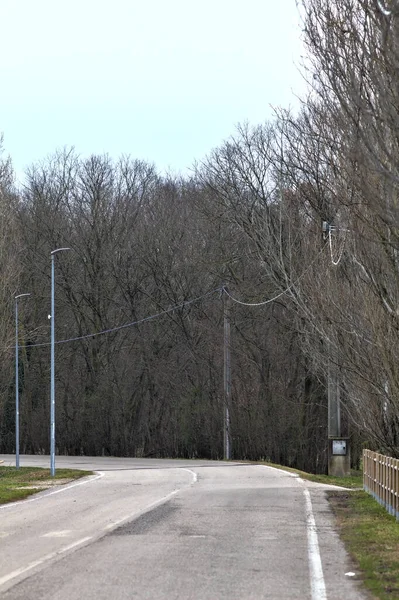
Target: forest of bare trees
297,217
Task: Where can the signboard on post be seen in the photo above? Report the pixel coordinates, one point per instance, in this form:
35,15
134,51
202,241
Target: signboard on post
339,458
339,447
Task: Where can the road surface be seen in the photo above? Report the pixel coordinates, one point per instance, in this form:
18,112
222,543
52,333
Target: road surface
162,529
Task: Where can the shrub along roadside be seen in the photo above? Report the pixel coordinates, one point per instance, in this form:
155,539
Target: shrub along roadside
17,484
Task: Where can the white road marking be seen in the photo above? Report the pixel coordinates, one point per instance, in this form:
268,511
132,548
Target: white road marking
37,563
58,534
317,585
118,522
195,476
283,471
63,489
149,507
73,485
41,561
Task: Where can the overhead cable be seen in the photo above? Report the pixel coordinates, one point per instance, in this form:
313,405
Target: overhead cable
125,325
277,296
338,260
256,303
385,11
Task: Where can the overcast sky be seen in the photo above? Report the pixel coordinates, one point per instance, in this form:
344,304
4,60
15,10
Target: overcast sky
161,80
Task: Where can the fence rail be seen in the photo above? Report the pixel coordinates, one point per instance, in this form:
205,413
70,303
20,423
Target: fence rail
381,480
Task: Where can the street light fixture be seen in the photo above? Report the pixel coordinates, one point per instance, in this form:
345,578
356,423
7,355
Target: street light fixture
52,368
17,382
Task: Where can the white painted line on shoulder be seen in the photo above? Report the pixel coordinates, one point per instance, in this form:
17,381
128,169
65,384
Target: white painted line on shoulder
149,507
45,495
37,563
282,471
317,585
114,524
74,545
73,485
195,476
141,512
57,534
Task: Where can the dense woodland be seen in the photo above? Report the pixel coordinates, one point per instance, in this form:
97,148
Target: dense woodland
298,216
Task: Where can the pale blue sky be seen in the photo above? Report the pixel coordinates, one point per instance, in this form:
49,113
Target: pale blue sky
162,80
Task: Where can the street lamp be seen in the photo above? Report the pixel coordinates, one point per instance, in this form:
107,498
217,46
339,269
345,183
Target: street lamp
17,382
52,368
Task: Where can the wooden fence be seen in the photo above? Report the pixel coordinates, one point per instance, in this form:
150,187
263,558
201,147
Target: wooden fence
381,480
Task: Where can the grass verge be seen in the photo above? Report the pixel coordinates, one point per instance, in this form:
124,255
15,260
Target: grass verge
354,481
371,536
17,484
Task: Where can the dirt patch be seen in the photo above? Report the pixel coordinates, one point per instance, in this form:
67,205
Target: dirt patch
44,485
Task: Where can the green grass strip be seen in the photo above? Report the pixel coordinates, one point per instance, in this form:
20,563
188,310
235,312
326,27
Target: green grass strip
354,481
371,536
17,484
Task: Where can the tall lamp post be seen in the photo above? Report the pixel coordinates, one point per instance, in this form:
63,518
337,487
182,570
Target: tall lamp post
17,382
52,368
227,376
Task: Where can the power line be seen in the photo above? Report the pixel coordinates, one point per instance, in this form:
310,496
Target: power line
125,325
385,11
256,303
169,310
269,300
336,262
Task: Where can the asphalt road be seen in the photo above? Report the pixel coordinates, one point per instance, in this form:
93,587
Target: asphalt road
152,529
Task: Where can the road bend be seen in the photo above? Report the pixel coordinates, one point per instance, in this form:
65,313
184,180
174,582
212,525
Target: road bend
152,529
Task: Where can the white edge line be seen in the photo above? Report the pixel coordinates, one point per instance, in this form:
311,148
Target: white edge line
317,585
280,471
46,493
195,476
36,563
149,507
73,485
141,512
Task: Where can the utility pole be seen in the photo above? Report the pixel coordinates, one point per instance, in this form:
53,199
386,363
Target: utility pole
339,461
338,447
339,458
333,395
52,366
227,374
